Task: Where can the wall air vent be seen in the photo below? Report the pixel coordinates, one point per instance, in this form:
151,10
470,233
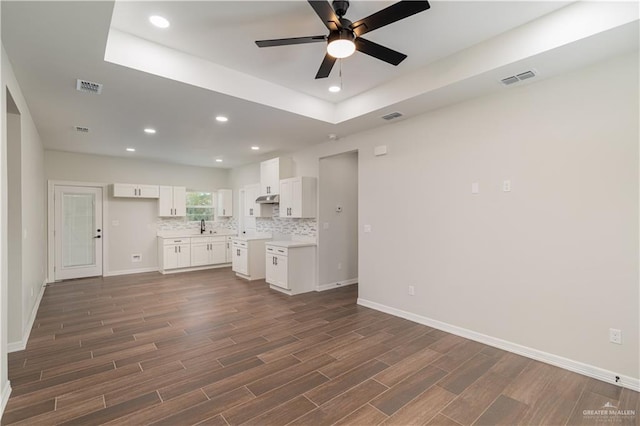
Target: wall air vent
81,129
392,116
518,77
88,86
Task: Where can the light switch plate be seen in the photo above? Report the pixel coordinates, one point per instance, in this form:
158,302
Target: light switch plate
367,228
475,188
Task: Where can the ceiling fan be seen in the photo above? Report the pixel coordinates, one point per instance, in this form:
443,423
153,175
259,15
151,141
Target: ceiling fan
345,36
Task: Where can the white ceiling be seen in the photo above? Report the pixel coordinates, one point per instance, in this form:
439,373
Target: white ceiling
456,50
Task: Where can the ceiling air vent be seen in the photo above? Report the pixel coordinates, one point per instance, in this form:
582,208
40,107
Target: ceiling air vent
81,129
89,87
518,77
392,116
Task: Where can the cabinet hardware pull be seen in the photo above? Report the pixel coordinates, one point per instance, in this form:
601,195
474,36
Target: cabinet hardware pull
179,249
175,249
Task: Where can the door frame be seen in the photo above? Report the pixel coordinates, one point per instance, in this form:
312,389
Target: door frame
51,249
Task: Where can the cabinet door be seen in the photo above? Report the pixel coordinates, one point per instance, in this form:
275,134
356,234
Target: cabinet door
229,252
224,203
269,177
296,198
286,195
281,272
124,190
170,257
270,269
165,202
200,254
240,260
148,191
184,255
250,195
218,252
179,201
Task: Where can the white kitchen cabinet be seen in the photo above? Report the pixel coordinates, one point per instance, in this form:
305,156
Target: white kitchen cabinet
272,171
174,253
248,258
290,270
224,202
173,201
229,253
208,251
133,190
298,197
253,209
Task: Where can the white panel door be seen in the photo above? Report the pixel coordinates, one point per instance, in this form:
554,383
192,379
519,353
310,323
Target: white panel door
77,232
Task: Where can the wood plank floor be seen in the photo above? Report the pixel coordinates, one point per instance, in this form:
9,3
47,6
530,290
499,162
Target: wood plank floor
208,348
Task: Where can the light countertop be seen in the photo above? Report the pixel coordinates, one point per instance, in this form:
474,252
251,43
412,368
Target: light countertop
196,233
253,237
290,244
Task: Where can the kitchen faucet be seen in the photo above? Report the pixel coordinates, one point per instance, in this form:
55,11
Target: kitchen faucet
202,225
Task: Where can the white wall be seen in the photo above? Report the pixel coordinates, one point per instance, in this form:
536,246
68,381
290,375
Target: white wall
551,265
338,244
137,219
5,388
14,222
31,202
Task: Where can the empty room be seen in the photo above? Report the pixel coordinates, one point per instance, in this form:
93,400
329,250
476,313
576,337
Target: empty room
320,212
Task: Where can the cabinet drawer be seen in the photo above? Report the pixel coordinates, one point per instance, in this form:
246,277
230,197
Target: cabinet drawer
196,240
218,239
242,244
174,241
280,251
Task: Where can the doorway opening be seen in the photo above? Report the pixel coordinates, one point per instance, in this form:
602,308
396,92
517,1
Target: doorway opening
338,221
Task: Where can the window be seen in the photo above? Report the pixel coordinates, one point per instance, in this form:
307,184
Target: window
199,206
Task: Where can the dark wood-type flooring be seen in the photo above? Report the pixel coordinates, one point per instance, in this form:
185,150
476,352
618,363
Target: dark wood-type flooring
208,348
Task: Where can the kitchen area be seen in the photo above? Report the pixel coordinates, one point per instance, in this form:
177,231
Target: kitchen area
247,241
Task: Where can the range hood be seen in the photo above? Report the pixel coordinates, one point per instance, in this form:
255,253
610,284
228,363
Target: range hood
268,199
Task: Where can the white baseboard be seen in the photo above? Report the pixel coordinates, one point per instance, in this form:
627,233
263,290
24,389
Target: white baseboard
4,397
130,271
195,268
329,286
629,382
22,344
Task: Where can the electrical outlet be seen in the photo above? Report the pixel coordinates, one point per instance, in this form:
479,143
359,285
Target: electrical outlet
339,265
506,186
135,258
615,336
475,188
412,290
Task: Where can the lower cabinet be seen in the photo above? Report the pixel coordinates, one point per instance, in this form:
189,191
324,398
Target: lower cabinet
176,253
248,258
290,270
208,251
229,252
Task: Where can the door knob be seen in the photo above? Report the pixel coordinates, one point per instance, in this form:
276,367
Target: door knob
97,236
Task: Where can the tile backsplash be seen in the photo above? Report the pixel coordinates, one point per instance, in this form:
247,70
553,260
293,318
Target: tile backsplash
273,225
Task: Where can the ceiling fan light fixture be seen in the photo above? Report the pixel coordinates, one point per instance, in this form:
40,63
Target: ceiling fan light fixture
341,44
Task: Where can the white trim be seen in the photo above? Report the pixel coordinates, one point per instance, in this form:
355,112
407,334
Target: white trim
195,268
22,344
130,271
329,286
4,397
588,370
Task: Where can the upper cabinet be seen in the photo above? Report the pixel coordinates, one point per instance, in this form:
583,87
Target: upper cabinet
272,171
224,203
133,190
253,209
173,201
298,197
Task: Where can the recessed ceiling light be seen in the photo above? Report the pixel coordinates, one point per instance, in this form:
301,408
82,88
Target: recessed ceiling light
159,21
334,89
222,119
255,148
218,160
150,131
131,149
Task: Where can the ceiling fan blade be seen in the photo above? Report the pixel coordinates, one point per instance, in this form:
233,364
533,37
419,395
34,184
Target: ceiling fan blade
289,41
379,52
326,66
389,15
324,10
